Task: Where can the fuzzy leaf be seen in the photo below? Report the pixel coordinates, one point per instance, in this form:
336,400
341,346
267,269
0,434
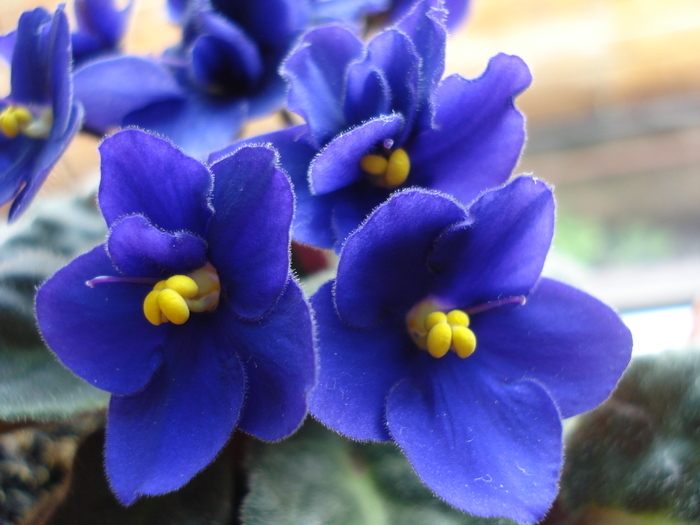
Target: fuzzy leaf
319,477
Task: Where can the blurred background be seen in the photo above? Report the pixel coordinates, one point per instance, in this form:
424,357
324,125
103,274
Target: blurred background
613,122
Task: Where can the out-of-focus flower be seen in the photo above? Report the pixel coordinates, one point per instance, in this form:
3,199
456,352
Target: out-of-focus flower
456,10
188,314
39,117
440,334
101,26
200,92
378,118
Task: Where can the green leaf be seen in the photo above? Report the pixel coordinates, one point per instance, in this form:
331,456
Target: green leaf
319,477
639,452
34,385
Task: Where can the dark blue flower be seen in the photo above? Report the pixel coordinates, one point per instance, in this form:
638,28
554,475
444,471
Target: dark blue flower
188,314
101,26
456,10
440,334
200,92
382,108
39,118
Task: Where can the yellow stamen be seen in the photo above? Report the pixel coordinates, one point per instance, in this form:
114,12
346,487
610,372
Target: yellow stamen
433,319
173,299
463,341
151,309
173,306
439,339
433,330
18,119
387,173
398,168
183,285
458,318
374,164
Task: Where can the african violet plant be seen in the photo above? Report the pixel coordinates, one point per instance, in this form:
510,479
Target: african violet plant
438,333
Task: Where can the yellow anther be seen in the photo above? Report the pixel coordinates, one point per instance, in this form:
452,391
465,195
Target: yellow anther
23,116
458,318
398,168
8,123
433,319
160,285
374,164
439,339
151,308
173,306
463,341
183,285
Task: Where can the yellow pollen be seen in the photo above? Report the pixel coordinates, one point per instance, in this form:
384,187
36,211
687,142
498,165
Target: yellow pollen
387,173
433,330
18,119
173,299
374,165
439,339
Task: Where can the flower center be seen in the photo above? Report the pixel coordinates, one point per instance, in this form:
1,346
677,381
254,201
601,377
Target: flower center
438,332
174,298
19,119
388,171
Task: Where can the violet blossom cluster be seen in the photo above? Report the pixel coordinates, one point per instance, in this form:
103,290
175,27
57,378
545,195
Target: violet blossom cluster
438,332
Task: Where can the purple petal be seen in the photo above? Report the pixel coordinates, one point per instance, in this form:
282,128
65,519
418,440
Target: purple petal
29,80
99,333
7,45
43,158
571,343
456,12
367,95
383,264
224,55
59,71
338,164
159,438
478,134
278,355
489,448
199,124
316,71
111,89
248,237
393,53
137,248
144,174
425,27
501,253
357,369
102,19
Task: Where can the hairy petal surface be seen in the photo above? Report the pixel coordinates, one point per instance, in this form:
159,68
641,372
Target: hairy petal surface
501,253
383,264
315,71
357,369
338,164
138,248
112,88
489,448
144,174
571,343
477,135
160,437
278,356
251,196
99,333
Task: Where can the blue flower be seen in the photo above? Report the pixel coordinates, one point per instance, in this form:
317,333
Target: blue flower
39,118
440,334
188,314
378,117
456,10
200,92
101,26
